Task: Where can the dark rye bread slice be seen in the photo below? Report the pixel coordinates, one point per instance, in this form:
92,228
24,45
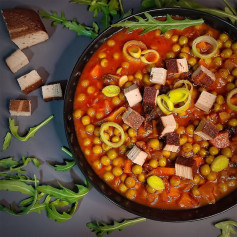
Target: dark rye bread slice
25,27
30,82
20,107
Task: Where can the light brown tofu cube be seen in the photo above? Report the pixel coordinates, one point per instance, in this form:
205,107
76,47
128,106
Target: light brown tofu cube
158,75
17,60
137,156
205,101
20,107
167,124
175,66
206,130
203,77
133,95
185,167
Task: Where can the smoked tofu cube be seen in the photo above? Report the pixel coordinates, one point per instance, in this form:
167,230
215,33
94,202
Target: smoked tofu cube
132,118
205,101
30,82
203,77
206,130
149,99
17,60
137,156
166,124
133,95
52,92
20,107
175,66
172,142
158,75
185,167
221,140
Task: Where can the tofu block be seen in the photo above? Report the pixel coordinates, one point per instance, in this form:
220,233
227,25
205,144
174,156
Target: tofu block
52,92
205,101
149,99
17,60
175,66
206,130
25,27
137,156
158,75
203,77
166,124
30,82
133,95
20,107
132,119
185,167
221,140
172,142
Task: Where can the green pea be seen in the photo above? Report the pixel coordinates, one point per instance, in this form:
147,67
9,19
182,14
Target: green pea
226,152
213,150
226,53
183,40
220,99
234,72
232,122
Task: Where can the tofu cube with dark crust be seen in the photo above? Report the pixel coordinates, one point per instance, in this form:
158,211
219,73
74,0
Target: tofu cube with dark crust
221,140
52,92
30,82
172,142
149,99
133,95
175,66
137,156
166,124
203,77
20,107
158,75
205,101
132,118
206,130
185,167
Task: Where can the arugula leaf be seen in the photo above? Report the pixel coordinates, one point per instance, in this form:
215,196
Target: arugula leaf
17,186
19,168
22,178
64,194
7,141
103,228
71,25
20,187
69,165
32,131
227,228
153,24
8,163
58,217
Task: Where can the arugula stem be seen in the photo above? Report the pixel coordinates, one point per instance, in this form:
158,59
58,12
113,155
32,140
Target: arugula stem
66,151
121,7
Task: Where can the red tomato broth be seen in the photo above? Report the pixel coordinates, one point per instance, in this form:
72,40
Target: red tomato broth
172,197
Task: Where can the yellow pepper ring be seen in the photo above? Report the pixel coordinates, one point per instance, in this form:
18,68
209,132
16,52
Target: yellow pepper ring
209,40
104,126
229,96
129,44
147,52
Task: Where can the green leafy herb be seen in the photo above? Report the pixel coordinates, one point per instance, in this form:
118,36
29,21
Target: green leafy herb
58,217
32,131
228,12
103,228
227,228
8,163
17,186
69,165
22,178
153,24
64,193
71,25
7,141
17,166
